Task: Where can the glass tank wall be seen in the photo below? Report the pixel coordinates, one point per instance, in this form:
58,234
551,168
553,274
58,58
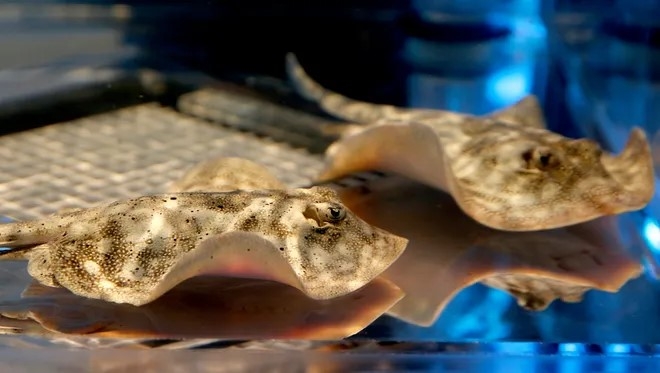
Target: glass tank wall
594,65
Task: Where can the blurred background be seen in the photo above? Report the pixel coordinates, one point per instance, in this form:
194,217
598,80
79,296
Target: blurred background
594,64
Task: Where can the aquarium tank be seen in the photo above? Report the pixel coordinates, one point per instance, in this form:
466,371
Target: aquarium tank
420,185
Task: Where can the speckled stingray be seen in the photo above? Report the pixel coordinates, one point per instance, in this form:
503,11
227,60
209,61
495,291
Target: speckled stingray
201,307
535,267
133,251
504,169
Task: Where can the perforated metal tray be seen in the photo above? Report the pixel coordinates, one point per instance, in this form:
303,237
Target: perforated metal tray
125,153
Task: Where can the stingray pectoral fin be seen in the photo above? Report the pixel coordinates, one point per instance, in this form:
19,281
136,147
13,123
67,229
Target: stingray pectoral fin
206,307
409,149
539,267
224,174
22,235
344,316
426,299
527,112
585,185
232,254
632,170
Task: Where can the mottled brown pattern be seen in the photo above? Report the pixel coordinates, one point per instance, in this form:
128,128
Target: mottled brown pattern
133,251
504,169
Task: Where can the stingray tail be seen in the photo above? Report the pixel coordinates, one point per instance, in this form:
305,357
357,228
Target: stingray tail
18,253
333,103
17,239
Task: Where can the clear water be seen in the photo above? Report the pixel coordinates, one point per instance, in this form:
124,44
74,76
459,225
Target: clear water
609,83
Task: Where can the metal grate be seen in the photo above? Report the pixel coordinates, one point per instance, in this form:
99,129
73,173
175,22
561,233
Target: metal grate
125,153
250,112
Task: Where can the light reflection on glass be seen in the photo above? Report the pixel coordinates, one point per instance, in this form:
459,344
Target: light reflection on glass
509,85
480,75
651,231
612,86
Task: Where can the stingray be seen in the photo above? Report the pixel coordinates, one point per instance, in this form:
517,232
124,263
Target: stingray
133,251
504,169
200,307
448,251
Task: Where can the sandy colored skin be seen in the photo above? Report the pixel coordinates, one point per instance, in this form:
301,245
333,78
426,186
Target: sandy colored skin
239,309
135,250
504,169
223,174
534,267
448,251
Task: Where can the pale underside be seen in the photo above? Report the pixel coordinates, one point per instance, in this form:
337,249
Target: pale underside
202,307
448,251
136,250
505,170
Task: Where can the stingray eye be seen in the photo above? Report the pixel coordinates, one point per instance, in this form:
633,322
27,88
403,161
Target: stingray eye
336,214
325,214
539,159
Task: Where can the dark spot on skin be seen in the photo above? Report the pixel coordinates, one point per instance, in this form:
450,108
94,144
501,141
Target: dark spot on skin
249,223
281,249
187,220
540,159
172,198
248,250
321,230
544,159
492,161
220,207
64,234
